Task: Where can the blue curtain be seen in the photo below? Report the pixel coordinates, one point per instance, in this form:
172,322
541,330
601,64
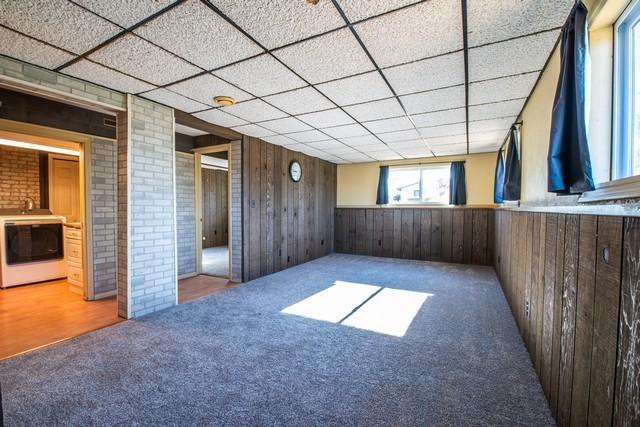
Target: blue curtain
498,183
511,189
568,160
383,186
457,186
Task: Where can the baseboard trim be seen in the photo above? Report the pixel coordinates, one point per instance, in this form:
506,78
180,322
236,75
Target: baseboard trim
186,276
105,294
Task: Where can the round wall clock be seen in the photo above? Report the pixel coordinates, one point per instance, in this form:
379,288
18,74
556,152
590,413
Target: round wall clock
295,171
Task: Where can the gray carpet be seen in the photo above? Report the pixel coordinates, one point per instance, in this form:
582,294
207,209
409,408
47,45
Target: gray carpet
215,261
232,358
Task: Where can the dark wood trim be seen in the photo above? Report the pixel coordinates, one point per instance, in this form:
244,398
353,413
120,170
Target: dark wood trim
196,123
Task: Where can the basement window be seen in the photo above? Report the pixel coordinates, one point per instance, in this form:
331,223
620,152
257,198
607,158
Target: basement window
422,184
627,93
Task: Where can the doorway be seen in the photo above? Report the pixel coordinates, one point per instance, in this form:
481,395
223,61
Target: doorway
212,208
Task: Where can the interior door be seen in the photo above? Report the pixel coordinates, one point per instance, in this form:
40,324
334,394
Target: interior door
64,188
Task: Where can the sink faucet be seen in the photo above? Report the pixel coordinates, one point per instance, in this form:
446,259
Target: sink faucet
28,205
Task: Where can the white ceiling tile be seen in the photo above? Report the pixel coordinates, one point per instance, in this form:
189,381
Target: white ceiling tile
285,125
295,147
29,50
494,20
331,56
340,151
444,130
261,76
300,101
502,89
58,22
386,155
196,33
174,100
489,136
375,110
407,145
310,151
374,148
446,140
346,131
435,100
359,157
186,130
139,58
256,131
427,29
309,136
450,150
219,117
432,73
275,23
491,124
437,118
496,109
357,10
279,140
205,87
98,74
389,125
255,110
327,118
511,57
487,147
356,141
403,135
356,89
327,145
125,12
418,154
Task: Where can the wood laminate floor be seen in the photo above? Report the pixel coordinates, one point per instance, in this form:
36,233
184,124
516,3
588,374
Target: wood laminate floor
32,316
199,286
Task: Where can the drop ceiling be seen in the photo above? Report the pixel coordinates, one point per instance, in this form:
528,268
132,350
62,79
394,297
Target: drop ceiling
344,80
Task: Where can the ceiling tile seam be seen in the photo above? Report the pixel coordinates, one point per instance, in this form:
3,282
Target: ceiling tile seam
239,28
465,45
121,34
366,51
39,41
96,14
522,36
114,70
388,12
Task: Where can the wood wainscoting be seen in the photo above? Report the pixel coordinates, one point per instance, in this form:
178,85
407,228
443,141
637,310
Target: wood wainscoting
285,223
458,235
573,284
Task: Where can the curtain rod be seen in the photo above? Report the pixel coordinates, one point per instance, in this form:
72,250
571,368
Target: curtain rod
427,163
519,123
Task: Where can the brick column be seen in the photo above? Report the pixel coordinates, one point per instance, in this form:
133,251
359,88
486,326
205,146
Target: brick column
147,268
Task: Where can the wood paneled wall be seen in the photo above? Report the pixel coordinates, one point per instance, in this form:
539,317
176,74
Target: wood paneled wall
573,284
459,235
284,223
215,208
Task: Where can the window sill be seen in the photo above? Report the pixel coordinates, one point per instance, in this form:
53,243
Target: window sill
624,188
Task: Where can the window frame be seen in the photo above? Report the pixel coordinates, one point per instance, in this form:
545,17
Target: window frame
622,150
419,167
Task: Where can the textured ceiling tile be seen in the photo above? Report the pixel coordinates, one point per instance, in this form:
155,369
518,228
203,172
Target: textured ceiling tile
435,100
357,10
494,20
219,117
139,58
261,76
446,140
432,73
438,118
488,137
386,155
356,158
450,150
346,131
487,147
491,124
285,125
125,12
356,89
408,145
327,145
511,57
389,125
375,110
205,87
356,141
331,56
279,140
373,148
98,74
327,118
196,33
275,23
344,150
416,154
421,31
28,50
310,151
496,109
403,135
253,130
58,22
174,100
444,130
309,136
502,89
295,147
300,101
254,111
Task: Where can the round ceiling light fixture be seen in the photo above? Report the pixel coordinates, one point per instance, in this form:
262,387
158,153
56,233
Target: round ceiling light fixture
224,101
313,1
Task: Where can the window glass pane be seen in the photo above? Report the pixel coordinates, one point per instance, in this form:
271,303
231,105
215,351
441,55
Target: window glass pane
404,185
435,184
635,118
426,184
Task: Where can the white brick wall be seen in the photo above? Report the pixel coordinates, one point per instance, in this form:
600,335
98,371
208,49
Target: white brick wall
236,211
19,177
186,212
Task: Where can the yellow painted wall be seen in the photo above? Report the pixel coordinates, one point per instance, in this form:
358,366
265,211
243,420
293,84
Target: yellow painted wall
358,183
